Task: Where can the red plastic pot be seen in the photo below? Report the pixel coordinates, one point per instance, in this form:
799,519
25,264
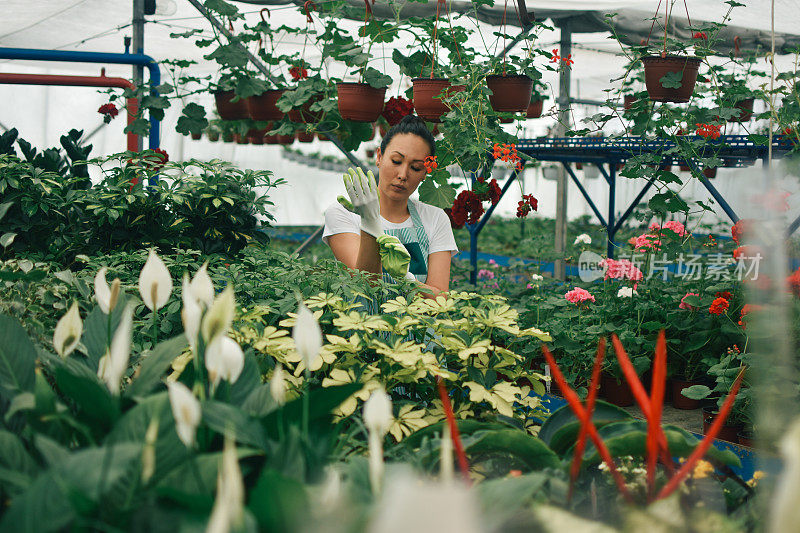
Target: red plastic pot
304,136
729,432
360,102
618,393
270,139
628,101
285,139
263,107
212,136
426,97
510,94
240,139
230,110
196,136
656,67
745,108
679,401
256,136
710,172
534,109
506,120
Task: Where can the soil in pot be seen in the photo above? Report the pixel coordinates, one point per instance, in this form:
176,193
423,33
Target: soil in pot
230,110
745,108
616,392
426,91
360,102
679,401
535,109
656,67
729,432
263,107
510,94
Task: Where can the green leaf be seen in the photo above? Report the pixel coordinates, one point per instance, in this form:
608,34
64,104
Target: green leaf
229,55
14,458
232,421
192,120
376,78
222,7
322,402
760,140
629,438
49,503
248,382
95,331
4,208
502,498
17,358
603,412
154,365
441,196
94,402
278,502
250,87
672,80
6,239
465,427
531,450
696,392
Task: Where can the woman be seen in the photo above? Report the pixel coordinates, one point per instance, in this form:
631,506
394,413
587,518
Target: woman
423,230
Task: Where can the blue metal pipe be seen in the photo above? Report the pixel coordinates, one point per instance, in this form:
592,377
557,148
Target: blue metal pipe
612,193
70,56
585,194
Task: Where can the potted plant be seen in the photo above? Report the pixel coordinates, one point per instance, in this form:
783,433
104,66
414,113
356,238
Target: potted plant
735,98
510,82
538,96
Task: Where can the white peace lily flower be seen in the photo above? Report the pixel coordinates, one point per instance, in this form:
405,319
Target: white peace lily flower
190,314
377,419
219,317
307,336
583,238
114,364
155,283
202,286
224,359
626,292
68,331
185,410
228,511
106,296
277,386
536,277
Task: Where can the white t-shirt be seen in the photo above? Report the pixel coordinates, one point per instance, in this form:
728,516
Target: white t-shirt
434,221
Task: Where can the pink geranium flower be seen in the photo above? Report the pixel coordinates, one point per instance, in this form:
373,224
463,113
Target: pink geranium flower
622,269
684,305
578,295
485,274
647,241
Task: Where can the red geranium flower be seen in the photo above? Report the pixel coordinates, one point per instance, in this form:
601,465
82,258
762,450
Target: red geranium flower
737,230
467,208
794,282
298,73
724,294
109,111
708,130
700,35
526,205
719,306
396,108
430,164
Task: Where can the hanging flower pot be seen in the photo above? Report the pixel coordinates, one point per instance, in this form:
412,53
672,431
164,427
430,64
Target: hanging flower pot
506,120
256,136
212,136
304,136
578,166
229,110
745,108
710,172
510,94
550,173
196,136
535,108
303,114
263,108
656,67
360,102
628,102
285,139
426,101
238,138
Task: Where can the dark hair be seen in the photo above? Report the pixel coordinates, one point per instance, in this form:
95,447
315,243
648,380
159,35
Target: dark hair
410,124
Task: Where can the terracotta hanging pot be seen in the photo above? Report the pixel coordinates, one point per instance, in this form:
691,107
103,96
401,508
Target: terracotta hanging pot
196,136
304,136
534,109
212,136
360,102
238,138
710,172
656,67
285,139
263,107
426,102
230,110
745,108
505,120
629,101
510,94
256,136
270,139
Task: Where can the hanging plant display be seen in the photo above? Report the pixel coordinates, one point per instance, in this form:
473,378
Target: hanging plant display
671,78
510,94
360,102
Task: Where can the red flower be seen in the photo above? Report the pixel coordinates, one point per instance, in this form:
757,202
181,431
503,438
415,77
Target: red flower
526,205
708,130
700,35
568,60
396,108
467,208
794,282
430,164
556,57
724,294
719,306
109,111
737,230
298,73
746,309
508,154
494,191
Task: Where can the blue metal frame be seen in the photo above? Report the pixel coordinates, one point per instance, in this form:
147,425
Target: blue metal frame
34,54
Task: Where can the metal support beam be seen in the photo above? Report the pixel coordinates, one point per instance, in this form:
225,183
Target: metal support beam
561,186
612,194
718,197
475,229
256,62
633,205
585,194
138,48
311,240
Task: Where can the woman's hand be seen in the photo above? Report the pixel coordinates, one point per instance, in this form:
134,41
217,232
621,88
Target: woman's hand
364,200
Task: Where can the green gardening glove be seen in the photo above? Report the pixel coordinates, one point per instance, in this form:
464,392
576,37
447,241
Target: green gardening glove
394,257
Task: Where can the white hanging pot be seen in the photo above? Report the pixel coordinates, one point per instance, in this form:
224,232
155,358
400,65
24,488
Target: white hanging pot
550,173
591,172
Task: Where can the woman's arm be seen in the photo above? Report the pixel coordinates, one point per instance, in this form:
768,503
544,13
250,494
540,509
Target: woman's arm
357,251
438,279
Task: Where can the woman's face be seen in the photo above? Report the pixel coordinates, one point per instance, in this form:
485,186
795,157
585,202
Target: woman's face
401,168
